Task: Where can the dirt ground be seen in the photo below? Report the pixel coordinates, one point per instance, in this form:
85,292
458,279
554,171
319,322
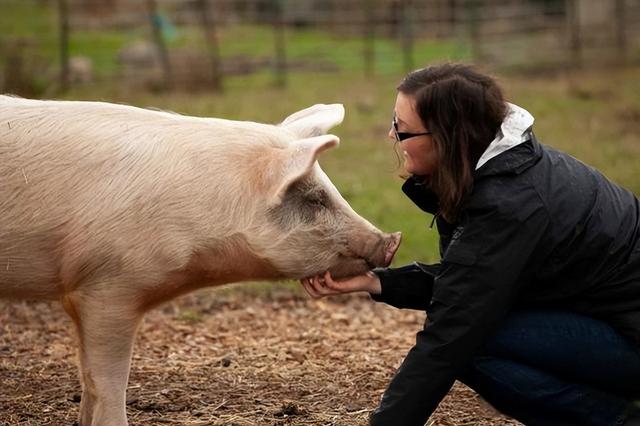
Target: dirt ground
221,357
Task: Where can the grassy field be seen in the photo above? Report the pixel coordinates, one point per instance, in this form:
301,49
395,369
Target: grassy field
37,22
593,115
585,114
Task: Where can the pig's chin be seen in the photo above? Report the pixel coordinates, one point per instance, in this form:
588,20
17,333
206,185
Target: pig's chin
348,268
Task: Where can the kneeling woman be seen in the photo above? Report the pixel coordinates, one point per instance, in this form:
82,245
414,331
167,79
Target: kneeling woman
536,301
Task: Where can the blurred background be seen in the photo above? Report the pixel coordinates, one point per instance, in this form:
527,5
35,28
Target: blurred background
575,64
281,358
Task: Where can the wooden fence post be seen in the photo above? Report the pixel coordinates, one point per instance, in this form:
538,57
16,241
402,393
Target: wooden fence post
209,27
573,24
279,43
158,38
63,19
621,31
475,30
369,51
407,34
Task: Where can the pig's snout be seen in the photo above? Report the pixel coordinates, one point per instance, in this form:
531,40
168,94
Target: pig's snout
392,242
379,254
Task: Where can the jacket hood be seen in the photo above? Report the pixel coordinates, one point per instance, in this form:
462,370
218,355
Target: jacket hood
513,131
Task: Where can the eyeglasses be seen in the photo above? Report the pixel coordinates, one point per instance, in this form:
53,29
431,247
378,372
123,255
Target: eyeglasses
400,136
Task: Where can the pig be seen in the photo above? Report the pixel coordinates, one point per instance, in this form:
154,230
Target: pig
113,209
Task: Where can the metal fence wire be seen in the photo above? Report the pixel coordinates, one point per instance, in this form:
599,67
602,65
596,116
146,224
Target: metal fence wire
50,45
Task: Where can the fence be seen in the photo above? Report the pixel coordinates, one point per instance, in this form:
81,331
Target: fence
194,44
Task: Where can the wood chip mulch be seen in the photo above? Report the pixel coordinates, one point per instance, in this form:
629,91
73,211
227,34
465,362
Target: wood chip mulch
228,357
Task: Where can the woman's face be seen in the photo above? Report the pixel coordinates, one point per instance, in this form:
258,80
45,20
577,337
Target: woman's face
419,152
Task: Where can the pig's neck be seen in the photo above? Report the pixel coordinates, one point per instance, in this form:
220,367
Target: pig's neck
229,260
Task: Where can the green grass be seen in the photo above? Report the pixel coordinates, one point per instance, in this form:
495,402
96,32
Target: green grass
343,51
102,47
26,18
590,118
594,116
38,22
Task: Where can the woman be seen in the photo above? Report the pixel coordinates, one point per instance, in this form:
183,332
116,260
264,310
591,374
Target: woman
536,302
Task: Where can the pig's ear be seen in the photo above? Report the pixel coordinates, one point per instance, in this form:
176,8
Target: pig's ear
299,160
315,120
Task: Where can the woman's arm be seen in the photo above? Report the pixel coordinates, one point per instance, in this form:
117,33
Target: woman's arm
407,287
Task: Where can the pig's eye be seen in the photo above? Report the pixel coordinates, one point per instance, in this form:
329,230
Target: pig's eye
318,199
303,202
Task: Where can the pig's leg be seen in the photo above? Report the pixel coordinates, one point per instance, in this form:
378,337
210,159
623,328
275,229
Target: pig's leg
106,329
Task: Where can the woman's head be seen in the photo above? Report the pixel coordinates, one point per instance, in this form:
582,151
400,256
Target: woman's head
460,110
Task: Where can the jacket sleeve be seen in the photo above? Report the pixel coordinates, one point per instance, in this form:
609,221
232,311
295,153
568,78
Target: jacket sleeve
407,287
474,289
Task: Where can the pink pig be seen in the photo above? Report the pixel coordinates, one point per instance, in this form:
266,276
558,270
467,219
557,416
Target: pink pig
113,210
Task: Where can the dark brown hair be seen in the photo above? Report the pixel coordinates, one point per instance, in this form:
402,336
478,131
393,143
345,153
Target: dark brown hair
463,109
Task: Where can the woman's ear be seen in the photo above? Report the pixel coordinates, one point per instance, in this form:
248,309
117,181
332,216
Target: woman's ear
298,160
315,120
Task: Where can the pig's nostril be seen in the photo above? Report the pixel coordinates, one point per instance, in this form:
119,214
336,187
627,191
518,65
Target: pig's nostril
394,243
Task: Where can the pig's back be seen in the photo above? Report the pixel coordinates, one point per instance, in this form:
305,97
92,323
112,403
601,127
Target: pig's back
57,157
84,180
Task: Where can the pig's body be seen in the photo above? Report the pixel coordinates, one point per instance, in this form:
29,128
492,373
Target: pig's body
93,189
113,209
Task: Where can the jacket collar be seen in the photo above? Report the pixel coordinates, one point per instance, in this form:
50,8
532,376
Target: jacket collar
513,161
514,130
421,195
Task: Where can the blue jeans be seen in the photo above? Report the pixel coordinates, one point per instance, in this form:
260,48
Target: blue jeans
557,368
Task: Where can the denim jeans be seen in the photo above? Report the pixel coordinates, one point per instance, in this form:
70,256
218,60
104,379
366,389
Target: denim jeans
557,368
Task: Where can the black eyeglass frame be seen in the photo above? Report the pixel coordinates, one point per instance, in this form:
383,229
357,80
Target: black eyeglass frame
400,136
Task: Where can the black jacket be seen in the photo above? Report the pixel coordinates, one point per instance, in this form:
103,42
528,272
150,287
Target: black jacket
540,230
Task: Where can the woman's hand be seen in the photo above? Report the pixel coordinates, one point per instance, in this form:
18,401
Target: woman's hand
320,286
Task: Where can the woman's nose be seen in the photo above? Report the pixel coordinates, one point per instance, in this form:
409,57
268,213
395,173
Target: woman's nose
391,134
